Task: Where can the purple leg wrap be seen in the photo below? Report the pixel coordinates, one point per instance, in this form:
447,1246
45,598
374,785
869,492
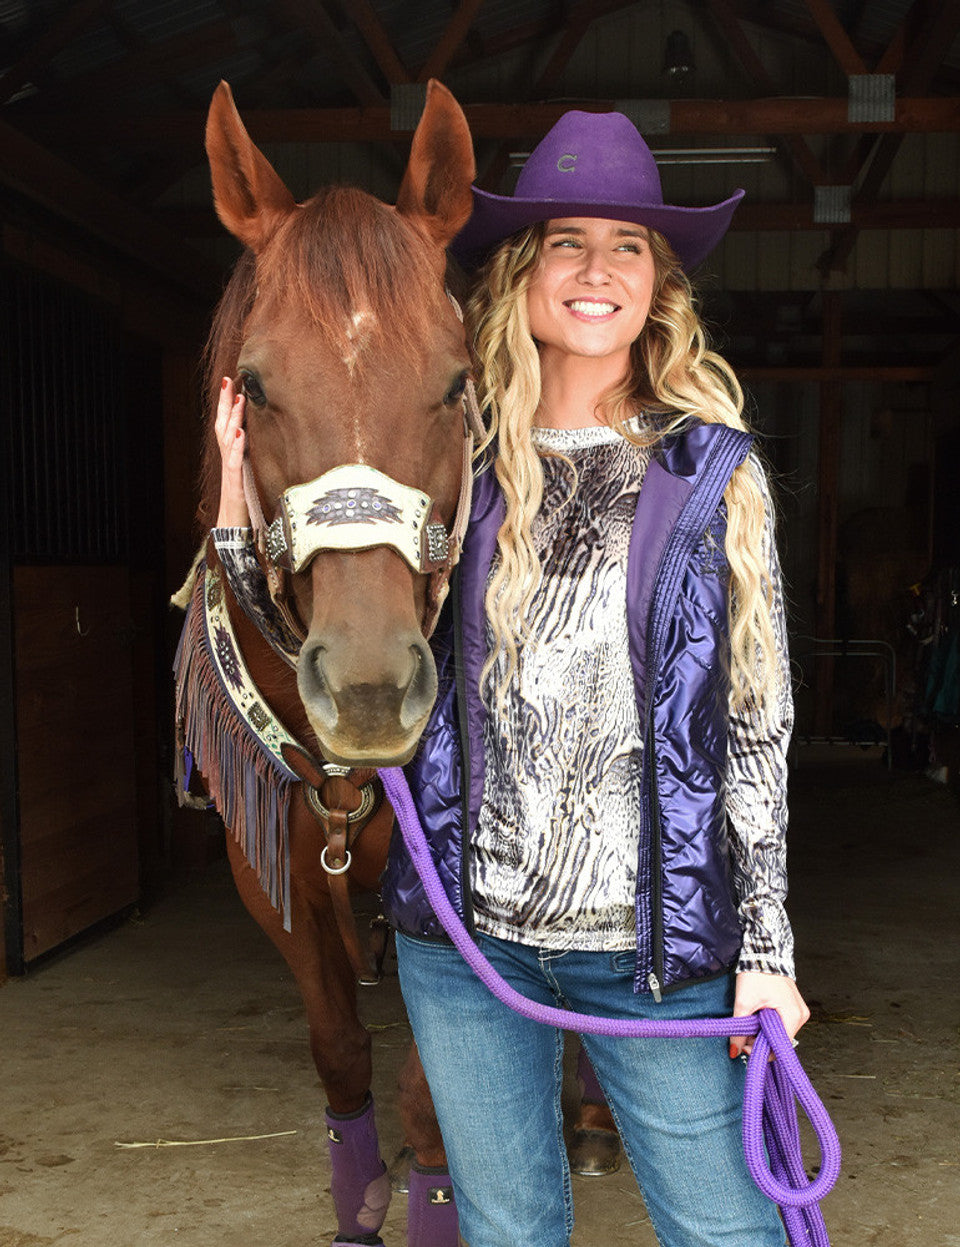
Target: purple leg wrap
358,1177
431,1212
592,1092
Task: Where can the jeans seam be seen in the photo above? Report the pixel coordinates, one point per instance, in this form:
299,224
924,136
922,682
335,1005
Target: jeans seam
568,1218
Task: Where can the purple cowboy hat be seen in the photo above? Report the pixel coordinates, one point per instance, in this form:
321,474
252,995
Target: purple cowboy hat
595,165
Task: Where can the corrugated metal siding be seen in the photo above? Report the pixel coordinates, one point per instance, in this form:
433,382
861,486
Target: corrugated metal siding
63,472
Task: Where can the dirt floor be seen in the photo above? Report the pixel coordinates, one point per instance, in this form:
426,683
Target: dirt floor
183,1026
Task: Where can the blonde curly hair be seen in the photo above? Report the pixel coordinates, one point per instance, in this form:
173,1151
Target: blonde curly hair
675,377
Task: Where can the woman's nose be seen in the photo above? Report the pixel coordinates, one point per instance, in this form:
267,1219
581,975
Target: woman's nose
594,269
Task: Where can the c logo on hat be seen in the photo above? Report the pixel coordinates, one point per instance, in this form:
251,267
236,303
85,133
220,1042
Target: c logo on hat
566,163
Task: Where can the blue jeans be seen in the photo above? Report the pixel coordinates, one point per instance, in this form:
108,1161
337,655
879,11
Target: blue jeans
496,1081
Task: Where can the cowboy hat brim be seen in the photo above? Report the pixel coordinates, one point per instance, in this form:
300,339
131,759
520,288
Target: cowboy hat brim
691,232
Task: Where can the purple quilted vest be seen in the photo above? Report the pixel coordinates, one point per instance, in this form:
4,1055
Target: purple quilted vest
677,620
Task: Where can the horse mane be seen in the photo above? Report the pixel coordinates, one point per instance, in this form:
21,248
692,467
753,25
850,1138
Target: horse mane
340,253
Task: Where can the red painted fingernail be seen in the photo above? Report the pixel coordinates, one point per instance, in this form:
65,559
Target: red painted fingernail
733,1051
224,383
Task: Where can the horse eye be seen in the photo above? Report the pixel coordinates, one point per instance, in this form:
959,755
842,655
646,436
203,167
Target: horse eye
252,388
456,391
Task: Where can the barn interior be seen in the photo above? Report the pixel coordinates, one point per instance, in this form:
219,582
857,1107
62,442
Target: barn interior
138,999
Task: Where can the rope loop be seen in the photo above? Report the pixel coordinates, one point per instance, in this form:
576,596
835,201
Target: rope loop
769,1112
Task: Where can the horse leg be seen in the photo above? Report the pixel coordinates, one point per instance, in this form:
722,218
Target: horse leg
339,1043
431,1210
595,1142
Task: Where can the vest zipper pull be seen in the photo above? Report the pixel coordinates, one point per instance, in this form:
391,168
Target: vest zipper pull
654,984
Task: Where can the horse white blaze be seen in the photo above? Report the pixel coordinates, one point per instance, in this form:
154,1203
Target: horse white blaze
359,330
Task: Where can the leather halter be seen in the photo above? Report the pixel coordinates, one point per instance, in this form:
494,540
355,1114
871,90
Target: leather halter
357,507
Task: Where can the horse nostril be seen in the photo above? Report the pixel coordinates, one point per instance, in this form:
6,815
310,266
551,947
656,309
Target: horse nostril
422,688
314,686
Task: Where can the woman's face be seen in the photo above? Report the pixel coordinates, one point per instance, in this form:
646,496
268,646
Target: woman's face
591,291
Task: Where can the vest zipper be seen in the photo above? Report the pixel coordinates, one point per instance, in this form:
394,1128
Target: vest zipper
463,733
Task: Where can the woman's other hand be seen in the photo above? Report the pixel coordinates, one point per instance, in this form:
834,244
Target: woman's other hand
232,441
756,991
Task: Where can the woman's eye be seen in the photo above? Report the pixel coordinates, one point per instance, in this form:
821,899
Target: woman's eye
456,391
252,388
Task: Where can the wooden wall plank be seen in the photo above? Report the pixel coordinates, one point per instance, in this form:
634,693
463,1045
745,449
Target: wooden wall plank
76,749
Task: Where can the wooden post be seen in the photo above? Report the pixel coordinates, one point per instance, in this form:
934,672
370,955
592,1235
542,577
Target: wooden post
831,410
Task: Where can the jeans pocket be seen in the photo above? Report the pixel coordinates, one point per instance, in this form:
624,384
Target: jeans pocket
624,962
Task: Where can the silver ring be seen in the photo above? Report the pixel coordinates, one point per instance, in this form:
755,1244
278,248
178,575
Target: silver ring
329,869
367,802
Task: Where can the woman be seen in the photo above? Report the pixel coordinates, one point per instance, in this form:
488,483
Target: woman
603,777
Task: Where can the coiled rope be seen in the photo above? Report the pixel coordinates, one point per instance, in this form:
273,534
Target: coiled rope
771,1137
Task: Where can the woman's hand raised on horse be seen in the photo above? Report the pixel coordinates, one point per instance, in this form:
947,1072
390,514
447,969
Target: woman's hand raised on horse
757,991
232,440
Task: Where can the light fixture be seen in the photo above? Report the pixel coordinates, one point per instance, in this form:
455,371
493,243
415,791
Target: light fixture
678,55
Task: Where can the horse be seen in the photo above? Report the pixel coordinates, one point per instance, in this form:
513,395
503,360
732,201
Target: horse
338,327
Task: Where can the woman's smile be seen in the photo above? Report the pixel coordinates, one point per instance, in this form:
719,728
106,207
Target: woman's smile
591,310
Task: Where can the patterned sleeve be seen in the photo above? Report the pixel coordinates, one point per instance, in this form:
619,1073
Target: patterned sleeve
756,798
238,556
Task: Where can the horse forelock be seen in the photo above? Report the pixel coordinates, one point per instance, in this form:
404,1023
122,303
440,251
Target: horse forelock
349,262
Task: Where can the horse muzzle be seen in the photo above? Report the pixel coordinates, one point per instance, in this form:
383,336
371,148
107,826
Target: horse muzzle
367,708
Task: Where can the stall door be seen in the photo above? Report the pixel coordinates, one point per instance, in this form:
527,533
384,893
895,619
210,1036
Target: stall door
75,750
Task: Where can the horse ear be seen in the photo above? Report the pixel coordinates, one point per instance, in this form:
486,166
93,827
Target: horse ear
250,198
435,191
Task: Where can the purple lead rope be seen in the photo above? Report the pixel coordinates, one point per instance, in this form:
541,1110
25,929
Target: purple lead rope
771,1138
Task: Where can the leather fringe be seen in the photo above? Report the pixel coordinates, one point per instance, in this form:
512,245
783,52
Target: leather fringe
249,785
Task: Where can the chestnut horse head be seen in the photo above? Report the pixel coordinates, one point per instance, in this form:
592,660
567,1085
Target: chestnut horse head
349,351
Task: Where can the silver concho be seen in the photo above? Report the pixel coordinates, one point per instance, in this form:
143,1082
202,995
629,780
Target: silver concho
276,540
438,543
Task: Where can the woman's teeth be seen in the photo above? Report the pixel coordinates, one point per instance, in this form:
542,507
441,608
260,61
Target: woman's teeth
586,308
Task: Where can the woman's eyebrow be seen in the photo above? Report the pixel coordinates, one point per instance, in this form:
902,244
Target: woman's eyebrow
639,232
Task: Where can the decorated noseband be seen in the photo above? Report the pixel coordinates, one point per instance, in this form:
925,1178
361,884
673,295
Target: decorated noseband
356,507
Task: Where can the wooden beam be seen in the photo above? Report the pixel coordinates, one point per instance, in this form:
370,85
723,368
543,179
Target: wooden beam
48,180
837,39
779,115
570,39
73,22
454,34
926,53
365,19
938,213
151,62
796,148
314,20
748,218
